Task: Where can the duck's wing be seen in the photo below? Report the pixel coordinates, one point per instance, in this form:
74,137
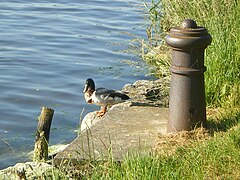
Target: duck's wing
119,94
108,93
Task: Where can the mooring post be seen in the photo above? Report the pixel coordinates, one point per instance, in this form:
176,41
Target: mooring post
187,106
42,135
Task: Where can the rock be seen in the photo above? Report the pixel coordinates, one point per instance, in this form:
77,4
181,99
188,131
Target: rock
142,93
89,120
55,149
28,170
33,170
153,93
52,150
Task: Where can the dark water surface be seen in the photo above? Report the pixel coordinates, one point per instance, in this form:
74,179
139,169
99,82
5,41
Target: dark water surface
47,50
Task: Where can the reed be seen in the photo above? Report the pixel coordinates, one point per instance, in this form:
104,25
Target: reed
221,18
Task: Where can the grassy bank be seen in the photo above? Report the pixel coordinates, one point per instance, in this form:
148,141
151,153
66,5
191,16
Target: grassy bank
215,158
198,154
221,18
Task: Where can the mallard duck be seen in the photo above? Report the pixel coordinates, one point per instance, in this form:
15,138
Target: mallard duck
102,97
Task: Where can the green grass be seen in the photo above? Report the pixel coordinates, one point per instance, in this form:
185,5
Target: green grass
221,18
216,157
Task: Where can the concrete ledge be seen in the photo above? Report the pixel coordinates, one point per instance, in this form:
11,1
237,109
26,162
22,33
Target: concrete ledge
124,129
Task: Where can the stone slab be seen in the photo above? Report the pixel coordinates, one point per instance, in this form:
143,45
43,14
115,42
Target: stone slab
122,130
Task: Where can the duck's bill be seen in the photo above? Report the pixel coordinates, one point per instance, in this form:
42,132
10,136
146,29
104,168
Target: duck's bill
85,88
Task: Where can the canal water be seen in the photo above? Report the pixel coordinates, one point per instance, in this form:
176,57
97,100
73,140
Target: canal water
47,50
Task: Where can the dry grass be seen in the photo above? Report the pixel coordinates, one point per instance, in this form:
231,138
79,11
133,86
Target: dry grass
168,144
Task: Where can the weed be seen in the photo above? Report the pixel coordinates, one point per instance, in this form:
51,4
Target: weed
222,78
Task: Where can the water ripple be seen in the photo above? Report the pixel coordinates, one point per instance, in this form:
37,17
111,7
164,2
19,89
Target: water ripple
47,50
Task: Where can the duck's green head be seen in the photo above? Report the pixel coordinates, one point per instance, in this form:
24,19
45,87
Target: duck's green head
89,85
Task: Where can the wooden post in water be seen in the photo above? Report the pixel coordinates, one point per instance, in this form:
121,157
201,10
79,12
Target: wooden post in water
42,135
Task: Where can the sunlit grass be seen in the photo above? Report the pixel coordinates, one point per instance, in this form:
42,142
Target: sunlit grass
222,59
214,158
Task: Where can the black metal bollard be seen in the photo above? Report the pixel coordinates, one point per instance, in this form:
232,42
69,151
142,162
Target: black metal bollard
187,106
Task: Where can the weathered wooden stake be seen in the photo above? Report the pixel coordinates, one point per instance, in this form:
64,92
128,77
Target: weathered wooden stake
42,135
